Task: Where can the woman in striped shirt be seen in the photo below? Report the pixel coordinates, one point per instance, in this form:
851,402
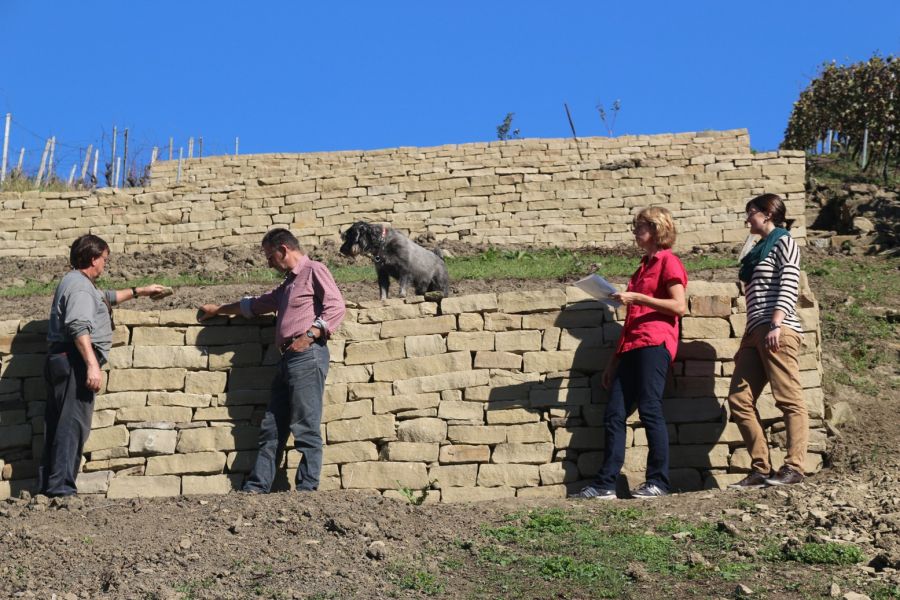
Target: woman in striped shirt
769,350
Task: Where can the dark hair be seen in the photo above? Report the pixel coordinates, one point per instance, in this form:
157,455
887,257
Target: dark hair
85,249
773,207
280,237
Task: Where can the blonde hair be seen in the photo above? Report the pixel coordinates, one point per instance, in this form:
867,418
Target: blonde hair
661,222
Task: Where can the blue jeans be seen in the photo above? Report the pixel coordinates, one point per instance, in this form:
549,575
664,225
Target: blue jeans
294,408
640,380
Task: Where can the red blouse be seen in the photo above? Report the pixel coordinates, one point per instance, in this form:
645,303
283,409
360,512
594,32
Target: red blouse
645,326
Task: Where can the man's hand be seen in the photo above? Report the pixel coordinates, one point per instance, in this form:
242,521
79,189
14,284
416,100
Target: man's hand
93,377
208,311
151,290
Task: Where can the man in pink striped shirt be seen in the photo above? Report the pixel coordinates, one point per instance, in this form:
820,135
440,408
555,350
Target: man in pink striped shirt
309,308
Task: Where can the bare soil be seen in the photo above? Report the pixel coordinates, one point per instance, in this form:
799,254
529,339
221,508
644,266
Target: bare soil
348,544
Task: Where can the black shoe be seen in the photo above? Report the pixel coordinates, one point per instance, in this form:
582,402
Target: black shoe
648,490
591,491
785,476
753,481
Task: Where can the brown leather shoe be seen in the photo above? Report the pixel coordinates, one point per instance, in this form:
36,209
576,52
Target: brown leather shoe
752,481
785,476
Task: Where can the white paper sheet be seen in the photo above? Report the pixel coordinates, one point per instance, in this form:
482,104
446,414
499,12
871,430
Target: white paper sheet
599,288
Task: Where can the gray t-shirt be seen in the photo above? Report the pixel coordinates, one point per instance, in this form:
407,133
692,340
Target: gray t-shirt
78,308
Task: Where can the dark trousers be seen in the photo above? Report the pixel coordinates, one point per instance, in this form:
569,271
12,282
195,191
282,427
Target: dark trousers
294,408
67,421
640,380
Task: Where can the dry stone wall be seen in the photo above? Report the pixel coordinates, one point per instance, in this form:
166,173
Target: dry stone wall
478,397
543,192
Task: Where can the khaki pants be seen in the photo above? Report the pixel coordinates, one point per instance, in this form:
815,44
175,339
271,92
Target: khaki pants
754,366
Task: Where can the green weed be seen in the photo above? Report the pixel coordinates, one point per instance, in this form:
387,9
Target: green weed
422,581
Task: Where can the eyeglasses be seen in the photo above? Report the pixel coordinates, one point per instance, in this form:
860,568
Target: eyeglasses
752,212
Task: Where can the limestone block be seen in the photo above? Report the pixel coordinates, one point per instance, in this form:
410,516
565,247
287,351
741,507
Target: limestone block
224,413
457,410
470,322
693,410
586,338
445,476
120,400
144,487
476,494
546,362
509,475
396,312
409,452
108,437
208,485
92,483
700,456
704,328
239,437
180,316
172,414
351,374
512,416
371,352
473,303
476,434
368,391
357,332
156,336
15,436
685,479
205,382
708,288
434,383
581,438
23,365
708,433
179,399
408,368
366,428
518,341
501,321
148,442
472,340
423,326
384,475
535,454
721,481
197,463
349,452
348,410
425,345
422,430
121,357
455,454
497,360
393,404
709,349
250,378
540,398
124,380
531,301
237,355
710,306
558,472
210,335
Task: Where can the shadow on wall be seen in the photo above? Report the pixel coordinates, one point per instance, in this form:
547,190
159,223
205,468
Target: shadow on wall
564,413
22,401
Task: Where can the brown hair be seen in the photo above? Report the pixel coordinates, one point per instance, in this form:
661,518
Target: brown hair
772,206
661,223
85,249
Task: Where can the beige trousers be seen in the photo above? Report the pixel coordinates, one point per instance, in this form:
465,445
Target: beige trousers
754,366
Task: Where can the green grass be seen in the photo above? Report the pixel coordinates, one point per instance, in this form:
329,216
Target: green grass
491,264
813,553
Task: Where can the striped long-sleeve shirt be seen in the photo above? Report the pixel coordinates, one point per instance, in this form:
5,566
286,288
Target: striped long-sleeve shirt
775,284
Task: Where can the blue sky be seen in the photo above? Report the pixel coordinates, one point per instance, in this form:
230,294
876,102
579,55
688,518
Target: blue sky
305,77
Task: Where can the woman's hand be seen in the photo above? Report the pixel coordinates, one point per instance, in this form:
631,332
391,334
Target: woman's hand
626,298
773,340
609,373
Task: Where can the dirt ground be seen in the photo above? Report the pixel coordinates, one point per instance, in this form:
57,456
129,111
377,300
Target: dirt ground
347,544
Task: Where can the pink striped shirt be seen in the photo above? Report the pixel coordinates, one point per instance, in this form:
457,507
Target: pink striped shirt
307,293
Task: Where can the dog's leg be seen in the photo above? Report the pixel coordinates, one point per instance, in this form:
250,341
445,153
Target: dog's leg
404,281
384,282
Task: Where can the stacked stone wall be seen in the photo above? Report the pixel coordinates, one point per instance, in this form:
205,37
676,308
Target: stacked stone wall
542,192
478,397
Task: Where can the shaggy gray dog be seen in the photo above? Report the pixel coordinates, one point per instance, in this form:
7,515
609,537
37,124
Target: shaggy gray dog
395,255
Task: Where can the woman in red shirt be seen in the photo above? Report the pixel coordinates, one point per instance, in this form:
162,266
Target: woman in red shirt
636,374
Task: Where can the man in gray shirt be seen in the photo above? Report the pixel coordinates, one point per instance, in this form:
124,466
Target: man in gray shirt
79,338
